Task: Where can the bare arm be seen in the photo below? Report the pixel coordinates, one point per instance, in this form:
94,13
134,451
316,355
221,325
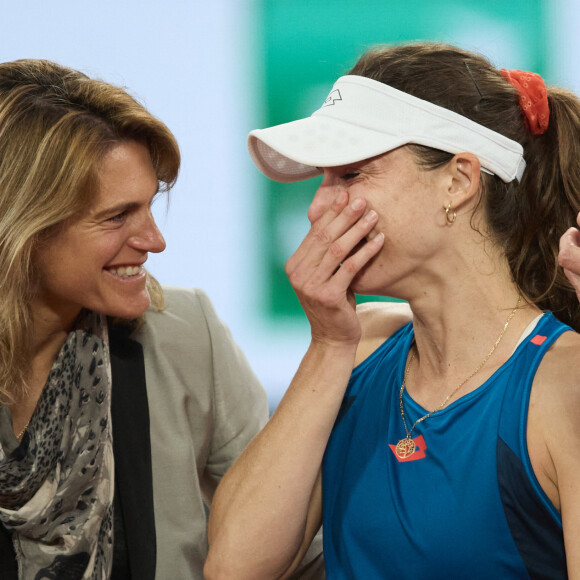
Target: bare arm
267,508
554,438
563,443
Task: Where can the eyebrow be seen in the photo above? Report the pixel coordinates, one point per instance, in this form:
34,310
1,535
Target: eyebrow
115,209
123,206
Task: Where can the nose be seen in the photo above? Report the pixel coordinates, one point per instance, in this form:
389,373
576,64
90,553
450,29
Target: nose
148,237
323,198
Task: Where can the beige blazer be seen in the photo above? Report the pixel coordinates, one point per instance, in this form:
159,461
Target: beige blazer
205,405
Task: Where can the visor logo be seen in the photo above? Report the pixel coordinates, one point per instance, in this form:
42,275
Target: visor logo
332,98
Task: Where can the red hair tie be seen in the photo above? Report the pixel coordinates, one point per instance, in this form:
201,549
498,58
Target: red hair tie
533,98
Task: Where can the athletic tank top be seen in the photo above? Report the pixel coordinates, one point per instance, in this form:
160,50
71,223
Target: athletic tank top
466,504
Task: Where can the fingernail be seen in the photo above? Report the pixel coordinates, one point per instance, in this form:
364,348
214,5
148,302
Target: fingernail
378,239
357,204
371,215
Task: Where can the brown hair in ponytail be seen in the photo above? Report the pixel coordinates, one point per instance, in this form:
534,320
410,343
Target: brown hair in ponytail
525,218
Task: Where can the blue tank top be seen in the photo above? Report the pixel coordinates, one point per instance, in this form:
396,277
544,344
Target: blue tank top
466,504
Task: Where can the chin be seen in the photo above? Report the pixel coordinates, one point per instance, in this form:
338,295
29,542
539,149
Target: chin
127,309
375,282
364,287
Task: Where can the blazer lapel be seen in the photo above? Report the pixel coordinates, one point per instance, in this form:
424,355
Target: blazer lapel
132,450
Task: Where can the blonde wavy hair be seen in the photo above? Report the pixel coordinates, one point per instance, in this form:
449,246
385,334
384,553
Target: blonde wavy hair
56,125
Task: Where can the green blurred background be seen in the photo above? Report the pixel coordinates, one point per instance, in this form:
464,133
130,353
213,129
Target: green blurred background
306,46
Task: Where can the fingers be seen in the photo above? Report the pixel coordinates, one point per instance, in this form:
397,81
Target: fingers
330,242
324,232
355,263
330,256
324,278
574,280
320,204
569,255
323,199
341,253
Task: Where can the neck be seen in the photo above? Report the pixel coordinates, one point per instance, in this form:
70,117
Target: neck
461,297
49,333
50,329
52,321
449,367
456,325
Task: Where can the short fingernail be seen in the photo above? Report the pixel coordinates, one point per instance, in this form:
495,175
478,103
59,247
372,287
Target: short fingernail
357,204
371,215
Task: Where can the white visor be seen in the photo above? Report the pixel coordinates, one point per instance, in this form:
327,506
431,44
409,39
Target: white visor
362,118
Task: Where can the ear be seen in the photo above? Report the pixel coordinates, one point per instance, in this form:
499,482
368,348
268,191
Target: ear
463,178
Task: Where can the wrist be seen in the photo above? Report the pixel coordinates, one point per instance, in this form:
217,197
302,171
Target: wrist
343,347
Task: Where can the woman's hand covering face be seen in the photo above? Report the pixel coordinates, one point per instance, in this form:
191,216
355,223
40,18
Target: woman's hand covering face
323,267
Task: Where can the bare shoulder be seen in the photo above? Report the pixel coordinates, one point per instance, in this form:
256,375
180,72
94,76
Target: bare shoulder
379,320
559,373
555,401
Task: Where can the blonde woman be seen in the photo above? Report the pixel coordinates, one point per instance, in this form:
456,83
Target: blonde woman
115,425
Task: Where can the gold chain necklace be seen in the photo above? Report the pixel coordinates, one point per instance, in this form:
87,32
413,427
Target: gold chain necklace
21,434
406,447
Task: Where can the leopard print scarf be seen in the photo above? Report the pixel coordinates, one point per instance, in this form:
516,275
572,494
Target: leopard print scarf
56,485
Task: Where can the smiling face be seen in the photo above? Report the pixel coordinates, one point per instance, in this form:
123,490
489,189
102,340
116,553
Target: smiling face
408,200
96,260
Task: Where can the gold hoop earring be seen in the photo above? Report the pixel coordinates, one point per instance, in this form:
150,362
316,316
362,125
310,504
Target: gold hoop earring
448,216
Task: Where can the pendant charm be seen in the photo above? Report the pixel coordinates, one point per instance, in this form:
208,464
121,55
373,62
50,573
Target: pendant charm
405,448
